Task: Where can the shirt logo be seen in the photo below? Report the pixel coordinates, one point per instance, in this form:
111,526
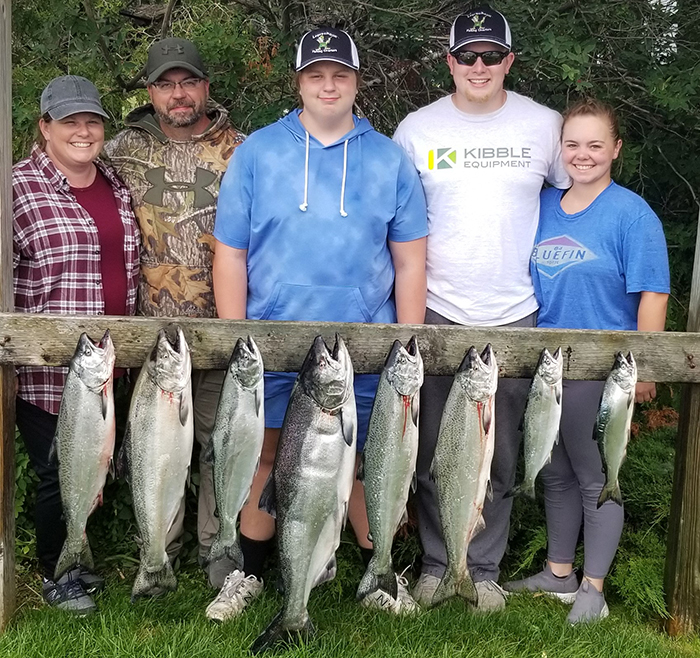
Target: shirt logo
442,159
202,196
555,255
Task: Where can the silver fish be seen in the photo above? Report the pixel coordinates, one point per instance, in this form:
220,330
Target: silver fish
84,444
389,460
541,419
235,445
613,422
309,488
462,466
157,450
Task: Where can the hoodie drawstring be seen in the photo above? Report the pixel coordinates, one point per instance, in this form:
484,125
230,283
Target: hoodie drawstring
304,206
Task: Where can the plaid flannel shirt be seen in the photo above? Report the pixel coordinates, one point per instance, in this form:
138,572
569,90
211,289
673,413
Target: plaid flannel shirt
56,258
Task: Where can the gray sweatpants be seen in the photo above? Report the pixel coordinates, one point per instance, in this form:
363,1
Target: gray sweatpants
573,481
487,548
206,389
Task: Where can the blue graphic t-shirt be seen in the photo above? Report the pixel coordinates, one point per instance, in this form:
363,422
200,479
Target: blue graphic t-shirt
590,268
316,221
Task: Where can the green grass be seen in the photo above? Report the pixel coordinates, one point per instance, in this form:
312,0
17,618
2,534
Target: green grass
174,626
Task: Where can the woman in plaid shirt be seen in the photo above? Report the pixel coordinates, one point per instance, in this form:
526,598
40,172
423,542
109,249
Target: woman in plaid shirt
76,251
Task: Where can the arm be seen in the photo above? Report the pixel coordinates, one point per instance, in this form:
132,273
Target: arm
410,283
230,281
651,316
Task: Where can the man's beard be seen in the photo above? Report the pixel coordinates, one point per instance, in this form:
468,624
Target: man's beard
180,120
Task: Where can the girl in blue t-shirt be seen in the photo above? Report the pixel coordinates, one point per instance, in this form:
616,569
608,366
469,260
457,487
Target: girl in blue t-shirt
599,262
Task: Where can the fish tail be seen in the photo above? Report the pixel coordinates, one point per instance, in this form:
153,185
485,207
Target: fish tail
523,489
235,554
154,583
72,556
454,585
216,551
277,634
610,492
373,581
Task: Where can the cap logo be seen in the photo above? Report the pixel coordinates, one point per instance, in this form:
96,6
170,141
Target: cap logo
324,43
479,22
177,49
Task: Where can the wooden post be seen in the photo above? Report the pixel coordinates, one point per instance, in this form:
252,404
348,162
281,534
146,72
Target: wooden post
7,372
683,553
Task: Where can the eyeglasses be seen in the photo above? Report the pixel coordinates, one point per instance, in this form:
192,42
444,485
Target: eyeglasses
489,58
168,86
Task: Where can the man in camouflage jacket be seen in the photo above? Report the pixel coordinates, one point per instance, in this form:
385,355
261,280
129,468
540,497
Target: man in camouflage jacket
172,156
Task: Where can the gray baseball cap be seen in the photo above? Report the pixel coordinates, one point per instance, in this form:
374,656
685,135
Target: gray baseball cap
70,94
173,53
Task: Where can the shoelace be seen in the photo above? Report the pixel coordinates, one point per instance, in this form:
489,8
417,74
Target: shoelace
72,590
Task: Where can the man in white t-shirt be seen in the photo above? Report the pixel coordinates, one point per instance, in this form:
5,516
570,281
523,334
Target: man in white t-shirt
483,154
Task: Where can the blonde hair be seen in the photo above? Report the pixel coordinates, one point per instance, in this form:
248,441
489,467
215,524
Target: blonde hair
596,108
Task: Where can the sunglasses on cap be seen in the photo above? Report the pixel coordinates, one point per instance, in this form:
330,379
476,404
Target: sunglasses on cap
489,58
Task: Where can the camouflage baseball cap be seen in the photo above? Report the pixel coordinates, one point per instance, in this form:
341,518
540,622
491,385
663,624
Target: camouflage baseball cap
173,53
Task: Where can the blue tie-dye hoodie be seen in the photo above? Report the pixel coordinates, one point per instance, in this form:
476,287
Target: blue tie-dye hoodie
316,219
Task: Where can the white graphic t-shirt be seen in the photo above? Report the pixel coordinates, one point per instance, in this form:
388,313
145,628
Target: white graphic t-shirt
482,176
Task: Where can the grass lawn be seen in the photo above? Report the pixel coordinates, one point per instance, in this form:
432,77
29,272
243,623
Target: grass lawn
175,626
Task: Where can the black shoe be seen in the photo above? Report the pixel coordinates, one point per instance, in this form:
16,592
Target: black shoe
67,594
90,582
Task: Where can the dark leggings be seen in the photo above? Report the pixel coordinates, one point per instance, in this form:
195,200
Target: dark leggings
38,428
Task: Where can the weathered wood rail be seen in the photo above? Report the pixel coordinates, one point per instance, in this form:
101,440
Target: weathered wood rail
34,339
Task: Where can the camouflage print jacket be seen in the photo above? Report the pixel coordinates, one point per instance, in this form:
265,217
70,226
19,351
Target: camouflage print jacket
174,186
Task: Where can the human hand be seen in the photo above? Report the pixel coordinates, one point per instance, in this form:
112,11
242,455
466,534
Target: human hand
645,392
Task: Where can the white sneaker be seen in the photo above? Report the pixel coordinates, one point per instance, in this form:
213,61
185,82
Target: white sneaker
491,596
424,589
403,604
237,592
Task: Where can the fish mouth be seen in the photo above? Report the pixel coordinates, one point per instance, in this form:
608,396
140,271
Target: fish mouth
172,333
106,338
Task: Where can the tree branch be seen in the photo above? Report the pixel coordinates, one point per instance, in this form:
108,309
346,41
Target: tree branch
166,19
101,43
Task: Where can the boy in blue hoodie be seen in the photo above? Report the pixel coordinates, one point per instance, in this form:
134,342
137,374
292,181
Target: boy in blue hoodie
320,218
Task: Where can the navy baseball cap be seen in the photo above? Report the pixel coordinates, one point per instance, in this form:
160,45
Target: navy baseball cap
70,94
327,44
480,24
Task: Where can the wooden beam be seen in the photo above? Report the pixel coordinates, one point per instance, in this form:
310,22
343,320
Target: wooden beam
29,339
7,372
683,552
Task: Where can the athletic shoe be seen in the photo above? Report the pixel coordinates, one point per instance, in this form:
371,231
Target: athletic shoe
403,604
90,582
590,605
491,597
238,591
67,594
548,584
424,590
218,570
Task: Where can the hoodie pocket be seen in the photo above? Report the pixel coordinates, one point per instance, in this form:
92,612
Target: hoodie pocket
291,301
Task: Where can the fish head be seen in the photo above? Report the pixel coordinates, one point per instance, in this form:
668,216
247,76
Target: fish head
169,362
246,363
93,362
624,371
404,367
550,366
478,374
327,376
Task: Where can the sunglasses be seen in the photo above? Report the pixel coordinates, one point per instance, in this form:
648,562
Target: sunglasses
489,58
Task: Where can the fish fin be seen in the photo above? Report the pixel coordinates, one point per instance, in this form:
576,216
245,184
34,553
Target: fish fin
53,451
521,424
153,584
122,460
610,493
361,468
415,409
111,469
185,403
373,581
208,453
345,514
347,426
404,517
105,402
71,558
370,538
556,442
414,482
258,402
521,490
328,572
630,398
489,490
557,395
478,526
451,585
486,418
235,554
268,497
277,634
